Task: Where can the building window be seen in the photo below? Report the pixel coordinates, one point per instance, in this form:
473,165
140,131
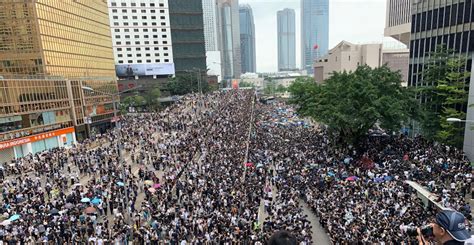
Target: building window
129,55
116,23
137,36
143,11
127,30
144,23
156,48
124,11
162,4
139,55
123,4
118,43
153,23
142,4
153,17
164,36
165,48
138,49
125,17
113,4
145,30
127,36
114,11
152,5
136,30
119,49
117,30
167,60
148,61
147,55
127,43
165,42
162,11
134,4
129,49
137,42
130,61
163,30
143,17
119,55
155,42
117,36
155,36
134,11
134,17
139,61
153,11
125,23
120,61
166,54
147,48
146,42
135,23
162,17
157,61
163,23
157,54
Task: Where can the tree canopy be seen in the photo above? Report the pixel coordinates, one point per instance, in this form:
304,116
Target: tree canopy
351,103
443,95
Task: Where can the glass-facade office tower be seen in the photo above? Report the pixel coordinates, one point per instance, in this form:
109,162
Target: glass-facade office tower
314,31
448,23
286,40
247,39
49,51
187,35
210,25
229,31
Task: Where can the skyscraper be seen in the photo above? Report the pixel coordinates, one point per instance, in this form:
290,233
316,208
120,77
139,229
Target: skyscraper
247,39
50,51
314,31
209,8
187,35
229,32
286,40
398,20
141,36
446,24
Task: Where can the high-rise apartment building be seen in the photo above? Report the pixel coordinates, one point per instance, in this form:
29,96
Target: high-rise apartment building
50,51
314,31
187,35
210,25
247,39
286,40
397,24
229,32
141,38
439,22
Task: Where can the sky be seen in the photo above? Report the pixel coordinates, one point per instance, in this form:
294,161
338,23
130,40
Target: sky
356,21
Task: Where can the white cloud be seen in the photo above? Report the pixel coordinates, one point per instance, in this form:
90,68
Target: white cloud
357,21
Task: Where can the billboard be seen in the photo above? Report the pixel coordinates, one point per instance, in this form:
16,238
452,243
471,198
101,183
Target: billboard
130,70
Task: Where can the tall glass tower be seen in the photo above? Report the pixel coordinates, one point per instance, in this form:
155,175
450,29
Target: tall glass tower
314,31
286,40
247,39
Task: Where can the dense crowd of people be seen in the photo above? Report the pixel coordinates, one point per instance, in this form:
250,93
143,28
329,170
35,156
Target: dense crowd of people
199,171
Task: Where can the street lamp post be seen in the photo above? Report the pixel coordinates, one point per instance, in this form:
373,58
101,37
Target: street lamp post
452,119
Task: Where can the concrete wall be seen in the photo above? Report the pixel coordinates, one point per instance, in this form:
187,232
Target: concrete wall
469,128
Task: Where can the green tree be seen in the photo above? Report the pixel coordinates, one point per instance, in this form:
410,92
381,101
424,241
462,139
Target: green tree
135,101
269,86
152,97
244,84
351,103
442,95
187,83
